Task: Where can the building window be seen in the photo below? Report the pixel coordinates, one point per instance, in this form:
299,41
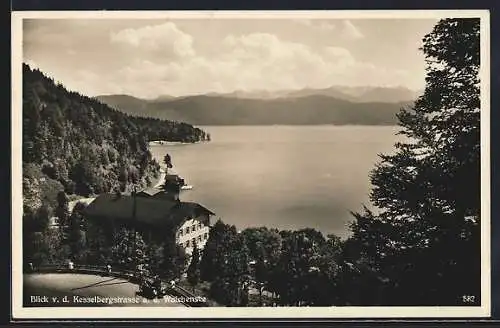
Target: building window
194,241
199,238
206,235
199,225
187,243
180,232
194,227
187,230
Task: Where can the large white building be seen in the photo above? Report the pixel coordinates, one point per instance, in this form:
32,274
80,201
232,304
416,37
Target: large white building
156,215
193,231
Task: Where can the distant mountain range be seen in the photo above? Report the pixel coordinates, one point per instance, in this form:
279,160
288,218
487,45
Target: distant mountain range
353,94
335,105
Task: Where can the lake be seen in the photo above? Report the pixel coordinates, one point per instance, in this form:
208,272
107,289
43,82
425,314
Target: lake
285,177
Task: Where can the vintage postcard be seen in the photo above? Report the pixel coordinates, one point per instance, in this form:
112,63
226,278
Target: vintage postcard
250,165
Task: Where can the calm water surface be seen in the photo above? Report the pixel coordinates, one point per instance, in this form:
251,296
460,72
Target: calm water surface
287,177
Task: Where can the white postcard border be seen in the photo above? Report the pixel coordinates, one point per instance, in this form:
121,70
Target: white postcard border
20,312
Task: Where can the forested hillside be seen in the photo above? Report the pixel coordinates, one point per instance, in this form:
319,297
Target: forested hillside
77,144
222,110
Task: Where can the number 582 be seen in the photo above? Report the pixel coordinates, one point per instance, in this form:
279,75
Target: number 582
468,298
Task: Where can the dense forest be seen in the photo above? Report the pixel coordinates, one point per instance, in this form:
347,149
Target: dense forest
77,144
420,247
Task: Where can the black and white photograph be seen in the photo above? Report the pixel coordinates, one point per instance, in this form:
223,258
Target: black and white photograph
250,164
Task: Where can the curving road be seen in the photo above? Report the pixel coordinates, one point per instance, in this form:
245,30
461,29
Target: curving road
161,179
84,290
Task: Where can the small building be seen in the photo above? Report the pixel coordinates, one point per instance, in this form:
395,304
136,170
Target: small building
158,193
174,182
174,178
54,223
156,218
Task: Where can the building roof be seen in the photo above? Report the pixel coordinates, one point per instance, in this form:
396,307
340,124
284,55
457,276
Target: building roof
152,211
150,191
190,209
168,193
173,178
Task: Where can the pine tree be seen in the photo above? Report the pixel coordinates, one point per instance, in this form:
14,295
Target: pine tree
193,272
424,239
62,210
173,259
168,161
214,260
74,230
128,251
236,270
299,256
32,199
99,245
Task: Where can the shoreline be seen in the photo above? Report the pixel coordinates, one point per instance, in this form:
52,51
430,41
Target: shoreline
161,179
170,143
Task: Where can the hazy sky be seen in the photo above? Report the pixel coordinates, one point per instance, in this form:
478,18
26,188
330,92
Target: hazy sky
148,58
